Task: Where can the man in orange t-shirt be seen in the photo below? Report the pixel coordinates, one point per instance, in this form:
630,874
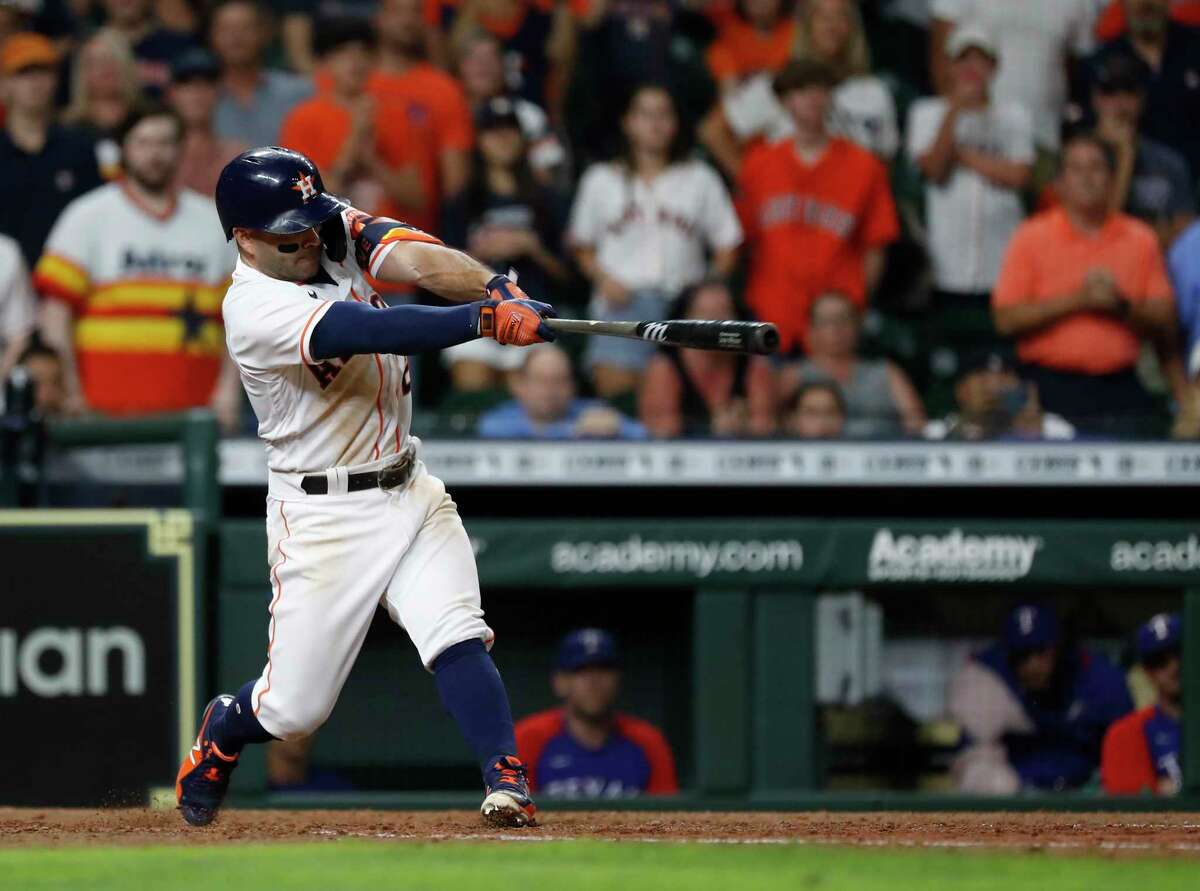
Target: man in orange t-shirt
431,103
587,749
1079,288
361,143
817,210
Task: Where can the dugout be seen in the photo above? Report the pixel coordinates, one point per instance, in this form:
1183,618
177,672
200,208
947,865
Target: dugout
711,561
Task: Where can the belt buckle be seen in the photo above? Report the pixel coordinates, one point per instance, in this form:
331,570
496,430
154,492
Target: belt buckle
396,475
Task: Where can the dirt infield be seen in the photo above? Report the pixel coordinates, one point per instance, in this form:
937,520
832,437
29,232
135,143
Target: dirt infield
1150,833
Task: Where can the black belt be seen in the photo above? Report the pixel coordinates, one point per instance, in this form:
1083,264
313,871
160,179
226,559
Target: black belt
385,478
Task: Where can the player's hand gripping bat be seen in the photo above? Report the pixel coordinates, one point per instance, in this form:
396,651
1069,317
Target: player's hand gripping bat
734,337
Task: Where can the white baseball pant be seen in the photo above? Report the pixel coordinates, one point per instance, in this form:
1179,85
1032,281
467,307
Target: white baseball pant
334,559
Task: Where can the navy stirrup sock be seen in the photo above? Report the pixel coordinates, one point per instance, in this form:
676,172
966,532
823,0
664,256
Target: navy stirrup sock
473,693
239,726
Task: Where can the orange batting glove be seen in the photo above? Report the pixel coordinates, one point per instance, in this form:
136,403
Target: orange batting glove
515,321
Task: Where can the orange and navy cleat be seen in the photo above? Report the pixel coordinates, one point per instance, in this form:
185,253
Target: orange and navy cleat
203,777
508,802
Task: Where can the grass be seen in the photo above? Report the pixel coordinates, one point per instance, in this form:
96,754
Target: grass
575,865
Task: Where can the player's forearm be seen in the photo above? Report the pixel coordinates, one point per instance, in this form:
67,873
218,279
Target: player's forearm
449,273
353,329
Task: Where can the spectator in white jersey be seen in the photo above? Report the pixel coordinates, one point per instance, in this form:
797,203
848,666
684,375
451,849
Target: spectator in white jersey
1036,41
643,228
862,108
976,155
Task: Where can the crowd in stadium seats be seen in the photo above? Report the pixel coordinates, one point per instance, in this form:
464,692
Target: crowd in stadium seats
968,219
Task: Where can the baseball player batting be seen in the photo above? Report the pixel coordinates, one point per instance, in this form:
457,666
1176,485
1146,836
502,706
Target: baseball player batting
354,520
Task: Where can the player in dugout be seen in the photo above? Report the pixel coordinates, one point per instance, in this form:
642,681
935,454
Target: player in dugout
1141,751
1033,708
585,748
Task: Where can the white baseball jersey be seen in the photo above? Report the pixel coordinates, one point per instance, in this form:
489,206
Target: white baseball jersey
653,235
1034,39
313,415
970,218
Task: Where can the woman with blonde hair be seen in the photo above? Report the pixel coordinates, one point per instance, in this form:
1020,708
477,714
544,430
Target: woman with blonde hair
828,31
104,90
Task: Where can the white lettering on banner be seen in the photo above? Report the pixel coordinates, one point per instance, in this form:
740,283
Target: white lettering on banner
954,556
1156,556
696,558
21,662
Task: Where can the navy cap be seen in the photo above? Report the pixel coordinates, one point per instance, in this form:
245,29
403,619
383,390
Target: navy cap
1160,634
587,646
195,62
499,111
1031,626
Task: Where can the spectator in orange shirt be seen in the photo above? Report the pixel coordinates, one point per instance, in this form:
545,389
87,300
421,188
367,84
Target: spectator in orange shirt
759,36
1079,288
360,142
817,210
1142,750
586,748
431,105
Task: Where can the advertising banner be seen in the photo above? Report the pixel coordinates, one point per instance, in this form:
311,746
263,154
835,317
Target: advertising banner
97,654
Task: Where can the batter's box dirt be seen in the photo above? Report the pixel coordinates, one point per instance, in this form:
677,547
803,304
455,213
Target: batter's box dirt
1119,833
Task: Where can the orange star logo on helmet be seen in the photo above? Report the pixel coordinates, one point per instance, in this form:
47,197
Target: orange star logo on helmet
305,186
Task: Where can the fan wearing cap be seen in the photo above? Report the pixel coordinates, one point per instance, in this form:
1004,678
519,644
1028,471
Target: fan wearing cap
1153,181
585,748
43,166
994,403
1142,750
976,155
193,95
1036,41
1033,708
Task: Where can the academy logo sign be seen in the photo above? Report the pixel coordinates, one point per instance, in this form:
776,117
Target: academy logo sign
953,557
699,559
1156,556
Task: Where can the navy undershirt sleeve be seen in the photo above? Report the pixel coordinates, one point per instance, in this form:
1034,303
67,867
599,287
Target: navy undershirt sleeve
351,329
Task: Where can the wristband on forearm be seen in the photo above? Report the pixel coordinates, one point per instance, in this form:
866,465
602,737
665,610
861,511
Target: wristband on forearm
374,238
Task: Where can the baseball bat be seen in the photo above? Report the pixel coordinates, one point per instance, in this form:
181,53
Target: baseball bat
734,337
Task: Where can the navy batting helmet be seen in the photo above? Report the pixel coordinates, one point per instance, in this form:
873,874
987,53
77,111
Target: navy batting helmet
273,189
